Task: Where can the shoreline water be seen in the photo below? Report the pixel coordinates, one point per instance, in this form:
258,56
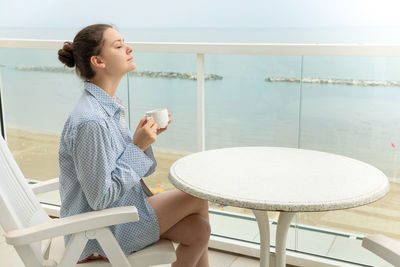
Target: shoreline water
357,121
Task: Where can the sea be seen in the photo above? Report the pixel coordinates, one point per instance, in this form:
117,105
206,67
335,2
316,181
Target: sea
242,108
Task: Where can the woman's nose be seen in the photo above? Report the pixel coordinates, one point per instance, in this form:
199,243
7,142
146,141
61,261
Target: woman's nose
130,49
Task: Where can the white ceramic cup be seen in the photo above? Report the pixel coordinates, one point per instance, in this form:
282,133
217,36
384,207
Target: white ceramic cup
160,116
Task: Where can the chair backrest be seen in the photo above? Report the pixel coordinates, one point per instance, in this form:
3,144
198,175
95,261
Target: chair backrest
19,207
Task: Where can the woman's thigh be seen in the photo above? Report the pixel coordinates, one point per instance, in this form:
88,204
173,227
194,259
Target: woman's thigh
173,206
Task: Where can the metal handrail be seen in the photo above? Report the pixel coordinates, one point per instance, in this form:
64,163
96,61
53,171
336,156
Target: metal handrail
287,49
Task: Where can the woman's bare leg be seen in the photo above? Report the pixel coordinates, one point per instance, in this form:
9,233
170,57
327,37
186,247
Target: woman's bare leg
203,261
184,219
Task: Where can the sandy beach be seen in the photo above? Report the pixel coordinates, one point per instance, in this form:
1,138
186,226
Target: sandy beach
37,155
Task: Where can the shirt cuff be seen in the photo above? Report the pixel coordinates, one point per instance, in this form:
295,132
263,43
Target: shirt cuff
137,159
150,154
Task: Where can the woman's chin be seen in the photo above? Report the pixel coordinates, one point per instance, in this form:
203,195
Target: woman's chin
132,67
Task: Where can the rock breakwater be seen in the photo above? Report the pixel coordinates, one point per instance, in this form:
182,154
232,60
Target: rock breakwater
144,73
334,81
172,75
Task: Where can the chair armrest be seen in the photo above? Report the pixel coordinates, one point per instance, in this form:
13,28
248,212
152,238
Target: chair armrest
383,246
72,224
45,186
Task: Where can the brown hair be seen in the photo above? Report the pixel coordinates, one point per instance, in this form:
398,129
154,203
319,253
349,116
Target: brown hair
88,42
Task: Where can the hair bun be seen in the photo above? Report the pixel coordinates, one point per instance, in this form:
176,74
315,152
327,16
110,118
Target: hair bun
66,55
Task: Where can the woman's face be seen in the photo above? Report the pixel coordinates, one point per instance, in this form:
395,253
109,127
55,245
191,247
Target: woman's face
115,54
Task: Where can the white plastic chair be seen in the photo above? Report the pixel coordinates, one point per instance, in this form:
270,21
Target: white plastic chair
383,246
39,240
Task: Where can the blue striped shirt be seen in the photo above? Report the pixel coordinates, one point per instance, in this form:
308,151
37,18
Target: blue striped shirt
100,168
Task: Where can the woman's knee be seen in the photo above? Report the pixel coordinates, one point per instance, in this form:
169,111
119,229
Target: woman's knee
201,229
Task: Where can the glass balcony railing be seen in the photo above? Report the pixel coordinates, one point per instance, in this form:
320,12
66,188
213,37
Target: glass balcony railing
340,99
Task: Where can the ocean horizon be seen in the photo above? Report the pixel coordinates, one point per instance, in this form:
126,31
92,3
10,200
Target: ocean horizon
357,35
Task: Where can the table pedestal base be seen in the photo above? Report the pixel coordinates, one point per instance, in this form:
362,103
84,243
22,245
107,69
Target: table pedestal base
281,235
263,227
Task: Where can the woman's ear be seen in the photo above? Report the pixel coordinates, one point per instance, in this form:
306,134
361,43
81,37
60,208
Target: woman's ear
97,62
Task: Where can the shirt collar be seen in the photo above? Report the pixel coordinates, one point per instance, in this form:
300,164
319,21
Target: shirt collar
105,100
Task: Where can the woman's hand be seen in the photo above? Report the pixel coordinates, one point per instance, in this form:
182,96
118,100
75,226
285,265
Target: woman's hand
165,128
145,133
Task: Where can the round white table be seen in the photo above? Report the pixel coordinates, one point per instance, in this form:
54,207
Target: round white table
288,180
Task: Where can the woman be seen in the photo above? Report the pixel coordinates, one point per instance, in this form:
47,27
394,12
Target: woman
101,165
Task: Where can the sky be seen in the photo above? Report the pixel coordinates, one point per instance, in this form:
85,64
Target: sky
200,13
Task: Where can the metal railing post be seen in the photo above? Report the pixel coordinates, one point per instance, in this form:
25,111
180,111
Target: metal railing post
200,103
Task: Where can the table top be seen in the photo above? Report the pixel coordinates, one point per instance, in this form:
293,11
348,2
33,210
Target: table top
278,179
